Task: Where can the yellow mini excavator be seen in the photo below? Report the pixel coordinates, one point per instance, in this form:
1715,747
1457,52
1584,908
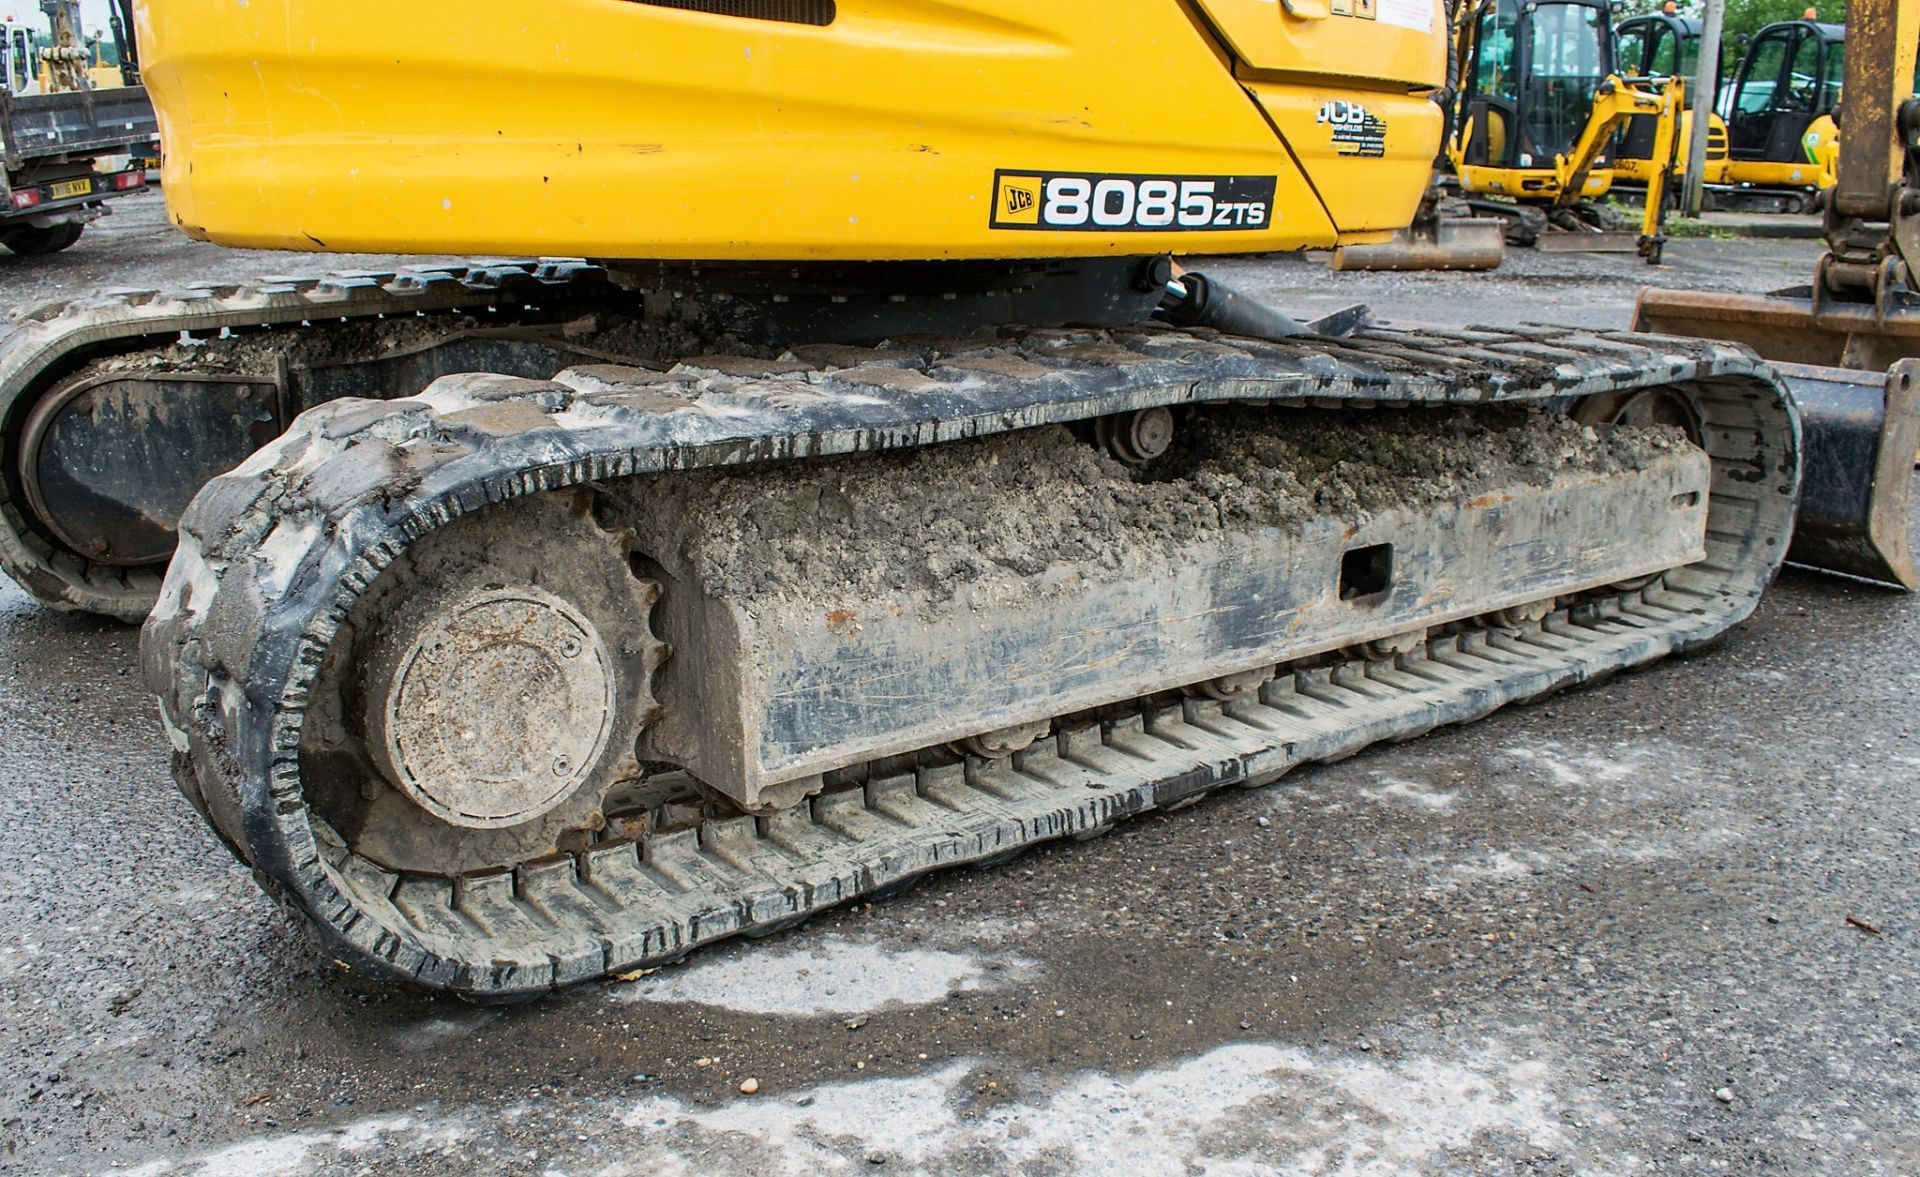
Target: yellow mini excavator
882,498
1780,108
1529,142
1656,46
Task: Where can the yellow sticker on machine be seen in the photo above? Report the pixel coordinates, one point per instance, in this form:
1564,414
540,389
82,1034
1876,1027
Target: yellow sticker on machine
1018,200
1107,202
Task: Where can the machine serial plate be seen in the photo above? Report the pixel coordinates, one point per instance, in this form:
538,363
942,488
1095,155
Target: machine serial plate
1108,203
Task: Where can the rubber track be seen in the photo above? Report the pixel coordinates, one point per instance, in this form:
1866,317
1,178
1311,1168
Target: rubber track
45,342
274,554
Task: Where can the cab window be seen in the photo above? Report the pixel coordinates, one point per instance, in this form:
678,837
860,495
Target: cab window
1630,49
1803,77
1761,75
1661,60
1570,46
1836,75
1494,51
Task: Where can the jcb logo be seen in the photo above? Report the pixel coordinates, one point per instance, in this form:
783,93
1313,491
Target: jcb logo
1019,199
1342,113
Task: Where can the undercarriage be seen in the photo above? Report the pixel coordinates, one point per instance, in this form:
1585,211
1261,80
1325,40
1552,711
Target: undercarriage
527,679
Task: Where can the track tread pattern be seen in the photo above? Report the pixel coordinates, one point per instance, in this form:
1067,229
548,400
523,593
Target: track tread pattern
274,554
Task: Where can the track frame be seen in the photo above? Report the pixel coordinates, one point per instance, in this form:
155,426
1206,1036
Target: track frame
274,555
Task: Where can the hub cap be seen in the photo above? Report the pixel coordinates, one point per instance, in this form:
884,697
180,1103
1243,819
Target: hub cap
497,709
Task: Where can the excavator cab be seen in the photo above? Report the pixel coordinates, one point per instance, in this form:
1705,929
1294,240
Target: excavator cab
1491,106
19,55
1781,108
1658,45
1531,84
1655,46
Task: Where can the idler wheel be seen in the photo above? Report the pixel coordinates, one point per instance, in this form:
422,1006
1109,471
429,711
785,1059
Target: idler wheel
108,463
486,695
1642,406
489,710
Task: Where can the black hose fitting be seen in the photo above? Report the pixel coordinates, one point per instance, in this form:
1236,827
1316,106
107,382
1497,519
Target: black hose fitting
1193,300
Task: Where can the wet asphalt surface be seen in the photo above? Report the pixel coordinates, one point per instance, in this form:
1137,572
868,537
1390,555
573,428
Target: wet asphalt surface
1606,933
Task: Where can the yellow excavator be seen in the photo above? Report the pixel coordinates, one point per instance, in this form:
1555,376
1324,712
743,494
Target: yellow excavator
1780,109
1773,144
884,497
1529,142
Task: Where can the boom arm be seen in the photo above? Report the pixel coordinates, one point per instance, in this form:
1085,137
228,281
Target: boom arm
1873,214
1617,101
1860,313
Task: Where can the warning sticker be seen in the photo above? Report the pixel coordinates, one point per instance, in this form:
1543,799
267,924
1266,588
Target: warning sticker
1104,203
1408,14
1356,130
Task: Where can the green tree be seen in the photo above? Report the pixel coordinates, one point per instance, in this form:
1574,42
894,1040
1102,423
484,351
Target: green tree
1743,18
1746,17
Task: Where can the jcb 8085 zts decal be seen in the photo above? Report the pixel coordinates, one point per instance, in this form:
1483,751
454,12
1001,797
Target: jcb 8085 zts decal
1106,203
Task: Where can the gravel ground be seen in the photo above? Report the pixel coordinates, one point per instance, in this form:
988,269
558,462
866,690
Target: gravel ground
1605,934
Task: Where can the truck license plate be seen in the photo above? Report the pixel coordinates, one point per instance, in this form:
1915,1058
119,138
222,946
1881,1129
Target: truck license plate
67,188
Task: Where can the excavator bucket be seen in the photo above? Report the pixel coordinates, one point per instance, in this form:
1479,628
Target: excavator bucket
1860,431
1450,243
1787,326
1853,375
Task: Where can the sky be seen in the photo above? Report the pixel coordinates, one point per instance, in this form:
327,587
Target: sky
93,13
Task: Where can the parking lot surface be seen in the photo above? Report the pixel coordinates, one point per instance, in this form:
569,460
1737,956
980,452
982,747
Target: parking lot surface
1663,924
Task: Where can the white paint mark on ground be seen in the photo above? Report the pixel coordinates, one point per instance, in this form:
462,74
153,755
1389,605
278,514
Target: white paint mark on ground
1501,864
1398,791
1252,1108
1688,841
305,1152
1237,1110
1624,772
826,975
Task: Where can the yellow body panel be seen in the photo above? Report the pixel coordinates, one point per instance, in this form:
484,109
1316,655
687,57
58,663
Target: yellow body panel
612,129
1639,170
1369,40
1528,184
1819,169
1370,156
1761,174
